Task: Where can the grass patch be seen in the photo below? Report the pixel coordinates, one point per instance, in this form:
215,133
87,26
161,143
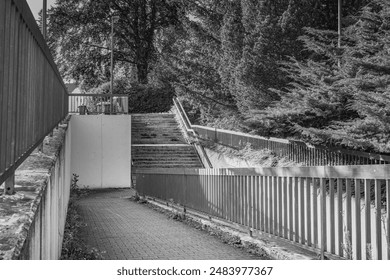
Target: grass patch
257,158
73,247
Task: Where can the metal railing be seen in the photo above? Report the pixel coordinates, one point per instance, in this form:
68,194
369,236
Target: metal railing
187,126
91,104
33,97
336,210
297,151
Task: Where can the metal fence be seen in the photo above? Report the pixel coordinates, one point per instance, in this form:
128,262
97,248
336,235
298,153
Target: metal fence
33,97
337,210
90,104
297,151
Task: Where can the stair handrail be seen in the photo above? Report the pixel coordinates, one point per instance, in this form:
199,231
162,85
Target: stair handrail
188,126
290,143
183,115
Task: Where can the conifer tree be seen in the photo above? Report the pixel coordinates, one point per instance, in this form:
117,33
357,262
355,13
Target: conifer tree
367,62
334,105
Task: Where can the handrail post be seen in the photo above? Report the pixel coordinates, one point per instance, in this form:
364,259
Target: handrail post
9,185
40,147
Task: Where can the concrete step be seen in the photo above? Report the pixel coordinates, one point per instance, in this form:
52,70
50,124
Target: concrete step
167,166
159,141
165,146
166,160
165,157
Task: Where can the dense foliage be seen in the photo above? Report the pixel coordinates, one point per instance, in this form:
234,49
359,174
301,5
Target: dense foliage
270,67
80,35
339,96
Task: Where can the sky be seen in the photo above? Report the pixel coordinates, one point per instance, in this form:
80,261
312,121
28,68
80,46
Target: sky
36,6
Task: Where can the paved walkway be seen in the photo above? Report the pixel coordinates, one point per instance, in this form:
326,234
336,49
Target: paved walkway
128,230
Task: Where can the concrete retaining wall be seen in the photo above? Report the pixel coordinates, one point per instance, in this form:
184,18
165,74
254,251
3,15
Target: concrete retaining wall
32,221
43,181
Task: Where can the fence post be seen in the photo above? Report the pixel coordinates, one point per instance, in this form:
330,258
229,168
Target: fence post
40,147
9,185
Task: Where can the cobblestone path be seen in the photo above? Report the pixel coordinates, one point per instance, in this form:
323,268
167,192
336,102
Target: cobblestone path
128,230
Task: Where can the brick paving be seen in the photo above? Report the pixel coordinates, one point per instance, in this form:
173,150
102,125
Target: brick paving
127,230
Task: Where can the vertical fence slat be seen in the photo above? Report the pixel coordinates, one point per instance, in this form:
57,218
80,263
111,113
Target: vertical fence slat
332,216
367,215
285,211
250,201
10,157
323,217
348,212
256,201
308,211
270,194
245,200
280,206
340,216
230,197
242,200
5,86
358,244
296,209
266,218
388,217
237,201
315,213
262,204
290,208
302,209
378,219
275,202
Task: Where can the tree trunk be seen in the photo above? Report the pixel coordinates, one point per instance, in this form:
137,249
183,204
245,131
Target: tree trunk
142,72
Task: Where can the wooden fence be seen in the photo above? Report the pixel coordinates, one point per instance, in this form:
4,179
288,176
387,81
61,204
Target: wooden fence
297,151
339,210
33,97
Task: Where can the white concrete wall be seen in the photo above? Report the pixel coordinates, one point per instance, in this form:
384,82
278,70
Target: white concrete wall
45,236
101,150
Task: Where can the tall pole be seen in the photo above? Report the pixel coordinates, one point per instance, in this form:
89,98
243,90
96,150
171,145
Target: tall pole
339,29
113,19
44,19
112,65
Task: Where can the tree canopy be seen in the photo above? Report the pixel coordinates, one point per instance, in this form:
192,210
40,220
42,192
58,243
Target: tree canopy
79,35
270,67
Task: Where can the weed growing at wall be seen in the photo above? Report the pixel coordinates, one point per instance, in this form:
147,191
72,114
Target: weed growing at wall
225,237
73,247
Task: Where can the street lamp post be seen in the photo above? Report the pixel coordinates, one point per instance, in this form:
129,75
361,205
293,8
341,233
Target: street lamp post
113,18
44,16
339,29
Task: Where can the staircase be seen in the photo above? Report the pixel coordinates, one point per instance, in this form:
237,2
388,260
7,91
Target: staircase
158,142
